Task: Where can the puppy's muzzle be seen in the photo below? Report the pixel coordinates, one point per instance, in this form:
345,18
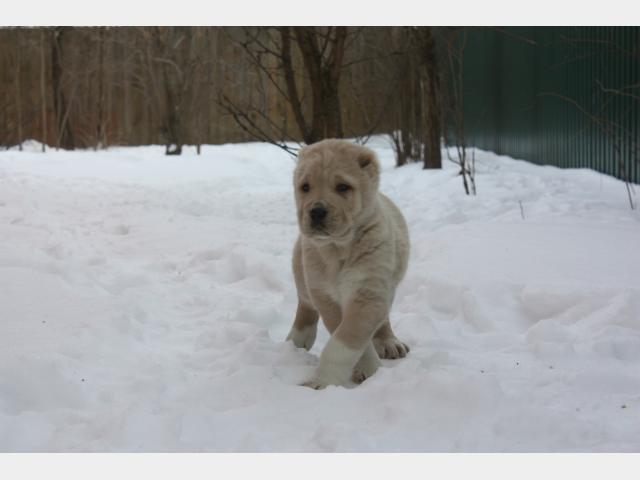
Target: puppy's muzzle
317,215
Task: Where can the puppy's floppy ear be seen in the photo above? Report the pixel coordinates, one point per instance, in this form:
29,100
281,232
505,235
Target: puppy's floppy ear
368,162
365,157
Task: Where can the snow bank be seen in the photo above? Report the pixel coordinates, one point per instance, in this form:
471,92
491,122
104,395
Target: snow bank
144,300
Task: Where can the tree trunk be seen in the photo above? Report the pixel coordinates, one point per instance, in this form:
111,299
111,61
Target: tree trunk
324,75
401,154
18,89
431,95
331,120
173,125
43,92
100,124
65,135
290,81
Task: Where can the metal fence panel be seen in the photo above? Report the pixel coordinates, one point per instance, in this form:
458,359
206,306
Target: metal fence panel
564,96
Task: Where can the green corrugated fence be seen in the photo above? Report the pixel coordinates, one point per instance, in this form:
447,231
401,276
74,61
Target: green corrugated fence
564,96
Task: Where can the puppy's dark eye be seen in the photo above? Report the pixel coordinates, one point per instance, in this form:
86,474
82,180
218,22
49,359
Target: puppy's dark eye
342,187
305,187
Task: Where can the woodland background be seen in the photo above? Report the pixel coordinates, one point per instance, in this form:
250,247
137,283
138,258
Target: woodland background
565,96
80,87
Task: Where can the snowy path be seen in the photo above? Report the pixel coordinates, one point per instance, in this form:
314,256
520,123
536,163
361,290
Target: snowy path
144,301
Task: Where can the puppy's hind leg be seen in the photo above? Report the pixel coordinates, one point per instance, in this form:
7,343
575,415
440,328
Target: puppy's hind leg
387,344
305,327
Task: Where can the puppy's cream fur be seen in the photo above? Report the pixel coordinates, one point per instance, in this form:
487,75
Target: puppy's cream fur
347,268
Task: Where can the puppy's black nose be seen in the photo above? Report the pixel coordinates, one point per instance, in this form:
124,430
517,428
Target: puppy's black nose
317,214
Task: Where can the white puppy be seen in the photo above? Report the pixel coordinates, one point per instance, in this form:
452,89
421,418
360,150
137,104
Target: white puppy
351,254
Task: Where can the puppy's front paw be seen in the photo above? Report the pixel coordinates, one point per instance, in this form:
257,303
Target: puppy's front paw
367,366
324,377
303,338
360,375
390,348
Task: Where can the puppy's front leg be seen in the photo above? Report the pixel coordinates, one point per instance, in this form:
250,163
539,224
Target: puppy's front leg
350,345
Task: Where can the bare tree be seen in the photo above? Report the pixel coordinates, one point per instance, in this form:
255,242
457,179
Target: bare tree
43,94
454,40
429,78
322,53
404,135
18,86
417,136
271,52
101,122
170,59
65,138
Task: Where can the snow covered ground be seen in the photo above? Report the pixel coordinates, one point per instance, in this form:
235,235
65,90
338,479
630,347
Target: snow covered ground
144,302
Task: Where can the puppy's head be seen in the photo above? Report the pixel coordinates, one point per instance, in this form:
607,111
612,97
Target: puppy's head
335,185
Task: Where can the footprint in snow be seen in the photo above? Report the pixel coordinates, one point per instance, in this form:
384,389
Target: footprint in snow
121,230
